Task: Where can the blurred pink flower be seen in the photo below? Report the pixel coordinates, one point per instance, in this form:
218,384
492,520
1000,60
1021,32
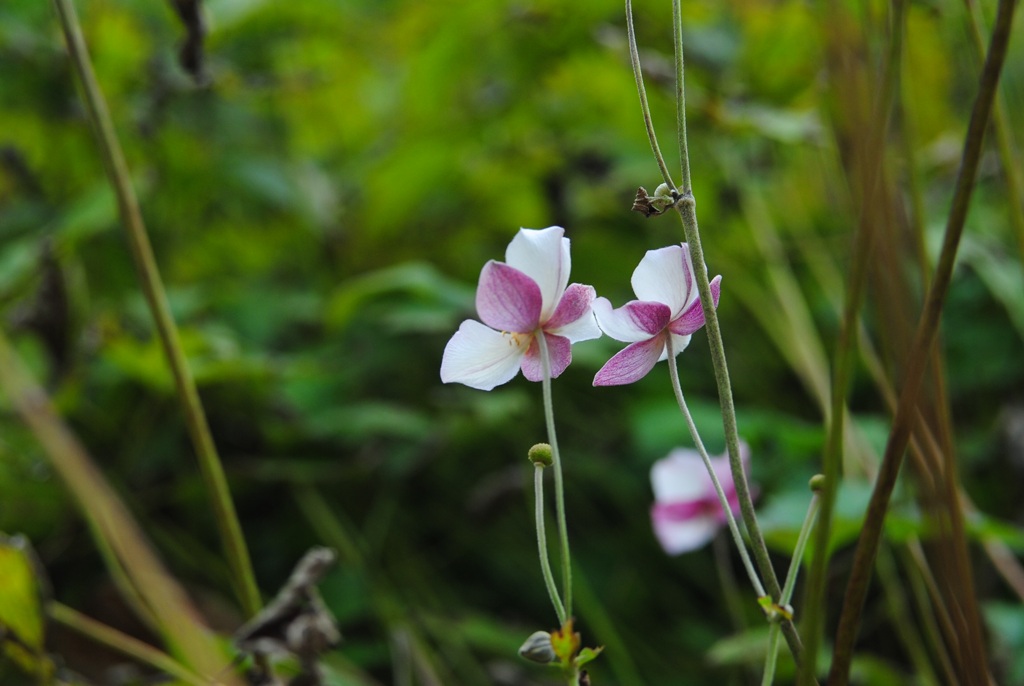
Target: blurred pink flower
668,305
687,513
518,299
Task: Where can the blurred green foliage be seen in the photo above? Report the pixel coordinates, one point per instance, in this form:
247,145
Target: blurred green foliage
320,210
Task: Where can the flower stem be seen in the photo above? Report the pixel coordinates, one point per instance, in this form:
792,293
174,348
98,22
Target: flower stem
787,591
142,252
737,538
556,463
684,155
687,208
542,544
634,59
688,215
798,551
772,656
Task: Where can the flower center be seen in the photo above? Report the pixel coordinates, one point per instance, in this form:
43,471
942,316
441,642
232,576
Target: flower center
516,340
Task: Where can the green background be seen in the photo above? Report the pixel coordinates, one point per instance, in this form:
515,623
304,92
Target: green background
320,208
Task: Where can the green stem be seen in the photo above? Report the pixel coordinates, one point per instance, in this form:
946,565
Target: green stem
687,209
737,538
542,543
684,154
634,60
787,591
772,656
556,462
919,357
798,551
122,643
688,215
142,253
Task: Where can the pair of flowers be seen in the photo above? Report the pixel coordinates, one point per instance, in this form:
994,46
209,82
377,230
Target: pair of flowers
528,296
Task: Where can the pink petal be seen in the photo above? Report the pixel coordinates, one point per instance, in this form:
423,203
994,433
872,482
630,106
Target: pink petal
666,276
693,317
635,321
574,318
631,364
560,350
482,358
543,255
507,299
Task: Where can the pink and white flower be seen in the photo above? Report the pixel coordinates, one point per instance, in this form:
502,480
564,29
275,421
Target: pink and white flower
519,299
687,512
668,305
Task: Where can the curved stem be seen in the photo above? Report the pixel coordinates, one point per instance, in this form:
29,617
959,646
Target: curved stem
542,543
556,463
737,538
216,484
634,60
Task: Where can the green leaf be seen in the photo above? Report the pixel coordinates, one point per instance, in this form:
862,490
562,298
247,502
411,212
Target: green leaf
588,655
21,615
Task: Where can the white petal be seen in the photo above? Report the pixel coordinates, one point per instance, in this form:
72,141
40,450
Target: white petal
679,344
480,357
682,537
543,255
583,329
680,476
624,324
666,276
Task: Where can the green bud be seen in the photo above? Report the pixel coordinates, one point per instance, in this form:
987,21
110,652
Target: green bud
817,483
540,455
537,648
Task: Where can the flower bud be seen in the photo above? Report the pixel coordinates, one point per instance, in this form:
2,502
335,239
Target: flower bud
538,648
540,455
817,483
